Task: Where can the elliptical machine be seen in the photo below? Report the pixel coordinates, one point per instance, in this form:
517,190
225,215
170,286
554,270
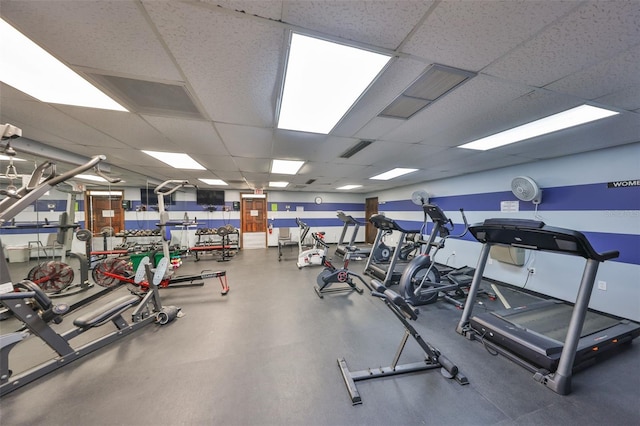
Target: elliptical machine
420,282
312,256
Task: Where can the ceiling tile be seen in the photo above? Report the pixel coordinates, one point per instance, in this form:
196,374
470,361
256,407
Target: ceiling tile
99,32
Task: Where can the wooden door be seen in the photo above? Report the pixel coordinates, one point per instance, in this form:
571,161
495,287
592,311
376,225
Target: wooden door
254,223
104,211
371,208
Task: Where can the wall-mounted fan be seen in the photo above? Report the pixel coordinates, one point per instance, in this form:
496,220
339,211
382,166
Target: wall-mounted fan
420,197
526,189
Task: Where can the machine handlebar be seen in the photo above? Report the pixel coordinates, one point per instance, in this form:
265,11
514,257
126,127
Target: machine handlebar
160,189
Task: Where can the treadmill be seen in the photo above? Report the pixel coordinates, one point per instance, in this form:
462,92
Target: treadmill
388,272
341,249
552,339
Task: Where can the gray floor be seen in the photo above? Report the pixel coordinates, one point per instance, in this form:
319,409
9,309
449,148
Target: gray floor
266,353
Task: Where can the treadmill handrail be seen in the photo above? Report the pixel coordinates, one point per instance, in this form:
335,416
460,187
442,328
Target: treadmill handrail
536,235
348,219
387,224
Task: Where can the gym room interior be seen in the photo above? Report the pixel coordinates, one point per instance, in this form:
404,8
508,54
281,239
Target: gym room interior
412,212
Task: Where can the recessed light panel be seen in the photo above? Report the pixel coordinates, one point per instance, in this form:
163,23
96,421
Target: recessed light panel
553,123
393,174
347,187
32,70
92,178
322,81
176,160
213,181
286,167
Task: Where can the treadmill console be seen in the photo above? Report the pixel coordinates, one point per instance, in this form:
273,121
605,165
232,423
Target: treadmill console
535,235
435,213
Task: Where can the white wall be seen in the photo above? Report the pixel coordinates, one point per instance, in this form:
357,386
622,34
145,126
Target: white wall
556,275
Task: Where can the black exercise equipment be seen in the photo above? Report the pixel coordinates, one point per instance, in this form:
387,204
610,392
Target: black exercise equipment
550,338
333,275
433,357
225,248
350,221
390,270
149,310
421,282
36,310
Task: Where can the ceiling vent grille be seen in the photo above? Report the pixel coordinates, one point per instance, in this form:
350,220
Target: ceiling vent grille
150,97
435,82
355,149
310,181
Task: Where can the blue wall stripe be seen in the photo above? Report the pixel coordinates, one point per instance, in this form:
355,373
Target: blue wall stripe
566,198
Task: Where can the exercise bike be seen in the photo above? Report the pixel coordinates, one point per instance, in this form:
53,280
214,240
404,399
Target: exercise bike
314,255
333,275
420,283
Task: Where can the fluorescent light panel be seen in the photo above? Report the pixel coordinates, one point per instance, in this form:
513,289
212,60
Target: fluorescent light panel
322,81
108,193
213,181
553,123
393,173
347,187
32,70
176,160
286,167
91,177
278,184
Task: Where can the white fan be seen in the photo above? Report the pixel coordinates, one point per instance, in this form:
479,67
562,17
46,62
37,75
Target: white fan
420,197
526,189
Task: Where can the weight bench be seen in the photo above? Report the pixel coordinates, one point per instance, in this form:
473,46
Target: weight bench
111,311
433,358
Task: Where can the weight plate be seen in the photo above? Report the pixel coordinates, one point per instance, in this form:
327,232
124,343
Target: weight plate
52,277
108,231
103,273
83,235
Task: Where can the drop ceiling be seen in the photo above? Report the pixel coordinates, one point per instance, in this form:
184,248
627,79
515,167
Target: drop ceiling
532,59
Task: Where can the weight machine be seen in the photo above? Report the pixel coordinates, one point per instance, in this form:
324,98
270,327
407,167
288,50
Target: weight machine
36,310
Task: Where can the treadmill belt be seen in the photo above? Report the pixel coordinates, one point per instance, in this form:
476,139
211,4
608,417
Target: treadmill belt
553,321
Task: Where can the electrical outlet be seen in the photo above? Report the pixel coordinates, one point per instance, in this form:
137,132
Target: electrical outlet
602,285
532,271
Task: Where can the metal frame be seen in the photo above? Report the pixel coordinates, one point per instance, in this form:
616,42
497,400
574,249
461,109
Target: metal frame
535,235
433,358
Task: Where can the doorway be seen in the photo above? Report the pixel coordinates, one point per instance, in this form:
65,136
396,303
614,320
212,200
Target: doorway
103,212
253,225
370,208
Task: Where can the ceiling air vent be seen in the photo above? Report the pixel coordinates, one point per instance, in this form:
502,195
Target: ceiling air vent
431,85
355,149
149,97
310,181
